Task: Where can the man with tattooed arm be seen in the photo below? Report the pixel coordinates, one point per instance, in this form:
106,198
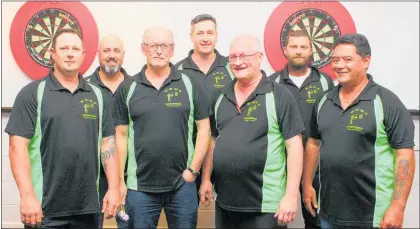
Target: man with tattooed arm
364,138
59,128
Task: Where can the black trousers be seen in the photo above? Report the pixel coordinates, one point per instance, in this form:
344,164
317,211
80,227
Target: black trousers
229,219
75,221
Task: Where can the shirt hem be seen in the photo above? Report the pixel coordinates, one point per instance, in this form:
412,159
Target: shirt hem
80,212
239,209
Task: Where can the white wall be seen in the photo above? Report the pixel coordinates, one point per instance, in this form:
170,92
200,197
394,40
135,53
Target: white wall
391,27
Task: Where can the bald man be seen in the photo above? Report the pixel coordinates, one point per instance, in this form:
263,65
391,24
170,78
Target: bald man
155,112
255,120
109,76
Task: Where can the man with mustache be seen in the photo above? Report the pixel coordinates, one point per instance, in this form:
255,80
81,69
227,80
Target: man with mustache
154,114
59,128
255,120
366,158
204,62
109,75
306,84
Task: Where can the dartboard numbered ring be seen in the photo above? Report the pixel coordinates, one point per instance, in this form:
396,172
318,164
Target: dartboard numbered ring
34,26
324,22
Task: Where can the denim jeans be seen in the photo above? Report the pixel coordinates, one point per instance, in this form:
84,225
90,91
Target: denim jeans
180,207
103,187
325,223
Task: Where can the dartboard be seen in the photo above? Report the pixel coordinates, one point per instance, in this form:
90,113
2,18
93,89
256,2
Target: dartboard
41,30
321,28
34,27
324,21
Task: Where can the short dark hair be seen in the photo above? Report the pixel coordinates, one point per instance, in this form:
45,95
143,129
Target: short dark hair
298,33
203,17
358,40
67,30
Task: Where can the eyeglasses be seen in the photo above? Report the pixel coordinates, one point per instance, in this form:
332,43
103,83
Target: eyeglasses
242,57
154,47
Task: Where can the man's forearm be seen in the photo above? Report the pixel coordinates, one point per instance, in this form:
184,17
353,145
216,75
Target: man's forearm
294,169
208,161
121,146
404,173
201,147
310,161
21,168
110,162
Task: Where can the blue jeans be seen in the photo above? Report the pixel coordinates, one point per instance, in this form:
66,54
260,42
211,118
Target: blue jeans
180,207
325,223
103,188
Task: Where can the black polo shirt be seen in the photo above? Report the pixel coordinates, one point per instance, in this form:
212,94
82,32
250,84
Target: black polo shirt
218,76
312,88
160,124
96,80
65,132
249,158
356,155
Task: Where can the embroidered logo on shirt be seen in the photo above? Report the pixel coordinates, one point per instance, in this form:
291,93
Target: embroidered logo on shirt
171,96
251,107
356,114
88,105
311,91
218,76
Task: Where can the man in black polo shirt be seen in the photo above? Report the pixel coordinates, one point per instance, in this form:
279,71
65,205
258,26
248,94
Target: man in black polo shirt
109,76
254,121
154,112
366,156
57,127
306,84
204,62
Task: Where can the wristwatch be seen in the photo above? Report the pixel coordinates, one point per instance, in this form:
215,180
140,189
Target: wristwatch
196,173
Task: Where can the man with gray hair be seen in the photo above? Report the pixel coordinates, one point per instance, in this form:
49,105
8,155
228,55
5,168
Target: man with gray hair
154,115
255,120
109,75
204,62
366,156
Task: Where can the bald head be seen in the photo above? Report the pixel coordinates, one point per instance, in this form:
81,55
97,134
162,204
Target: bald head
158,35
111,39
248,42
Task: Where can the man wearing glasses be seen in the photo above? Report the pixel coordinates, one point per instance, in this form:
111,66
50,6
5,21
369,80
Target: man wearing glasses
154,115
204,62
255,120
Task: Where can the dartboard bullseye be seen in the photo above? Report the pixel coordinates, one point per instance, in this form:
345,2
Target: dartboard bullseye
36,23
324,22
321,28
41,30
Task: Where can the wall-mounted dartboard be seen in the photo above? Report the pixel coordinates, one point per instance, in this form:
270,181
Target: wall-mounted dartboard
34,26
324,22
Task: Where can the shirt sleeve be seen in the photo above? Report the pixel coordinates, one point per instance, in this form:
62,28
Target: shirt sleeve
120,111
398,122
202,108
22,121
108,127
290,120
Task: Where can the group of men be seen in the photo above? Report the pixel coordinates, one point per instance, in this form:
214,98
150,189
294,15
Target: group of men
210,128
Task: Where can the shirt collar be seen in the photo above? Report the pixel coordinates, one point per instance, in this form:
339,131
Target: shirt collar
97,79
264,86
368,93
55,85
220,61
173,75
313,76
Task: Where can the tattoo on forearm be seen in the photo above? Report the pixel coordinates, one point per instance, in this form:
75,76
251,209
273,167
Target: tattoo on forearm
401,178
108,150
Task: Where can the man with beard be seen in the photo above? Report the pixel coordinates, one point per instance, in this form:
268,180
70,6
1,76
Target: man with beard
306,84
59,128
205,63
109,76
